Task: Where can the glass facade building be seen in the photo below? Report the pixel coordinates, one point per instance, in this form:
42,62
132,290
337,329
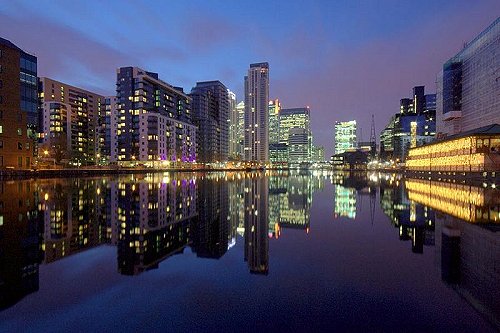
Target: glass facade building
468,85
295,132
274,128
414,125
345,136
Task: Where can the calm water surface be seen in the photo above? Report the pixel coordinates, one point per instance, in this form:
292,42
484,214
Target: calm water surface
249,252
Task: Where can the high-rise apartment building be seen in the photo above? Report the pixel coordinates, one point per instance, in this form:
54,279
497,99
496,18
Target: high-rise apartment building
468,85
234,141
69,127
18,106
210,108
345,136
256,113
154,122
109,146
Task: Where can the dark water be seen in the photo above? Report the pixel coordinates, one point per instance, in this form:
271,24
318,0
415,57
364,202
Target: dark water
247,252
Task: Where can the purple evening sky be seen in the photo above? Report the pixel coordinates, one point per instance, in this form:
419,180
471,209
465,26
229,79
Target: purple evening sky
345,59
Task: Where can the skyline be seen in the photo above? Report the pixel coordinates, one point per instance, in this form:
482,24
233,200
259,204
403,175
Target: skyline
334,64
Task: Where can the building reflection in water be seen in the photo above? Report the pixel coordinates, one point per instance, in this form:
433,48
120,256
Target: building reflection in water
20,241
415,222
148,217
463,221
349,187
71,213
155,215
256,224
467,239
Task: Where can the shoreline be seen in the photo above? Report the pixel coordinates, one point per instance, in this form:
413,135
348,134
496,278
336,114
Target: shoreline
8,174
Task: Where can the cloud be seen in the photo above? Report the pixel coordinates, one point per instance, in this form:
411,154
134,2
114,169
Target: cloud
60,48
204,34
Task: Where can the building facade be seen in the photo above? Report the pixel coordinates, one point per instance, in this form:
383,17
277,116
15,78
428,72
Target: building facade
298,145
256,113
18,107
240,110
472,151
274,125
414,125
109,143
69,127
468,85
210,108
295,132
345,136
234,142
154,120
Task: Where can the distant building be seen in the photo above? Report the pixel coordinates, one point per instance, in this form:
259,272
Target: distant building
240,110
387,140
368,147
345,136
155,123
295,132
210,112
350,160
318,154
18,107
234,141
257,113
298,145
69,122
293,118
278,153
414,125
274,124
468,85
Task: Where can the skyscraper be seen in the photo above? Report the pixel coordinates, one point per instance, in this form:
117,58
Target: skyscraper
240,110
234,142
256,113
211,114
468,85
345,136
414,124
18,106
274,111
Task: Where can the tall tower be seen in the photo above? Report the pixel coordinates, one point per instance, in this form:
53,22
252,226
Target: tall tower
256,113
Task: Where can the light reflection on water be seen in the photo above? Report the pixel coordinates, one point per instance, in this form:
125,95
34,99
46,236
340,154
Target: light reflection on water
262,219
